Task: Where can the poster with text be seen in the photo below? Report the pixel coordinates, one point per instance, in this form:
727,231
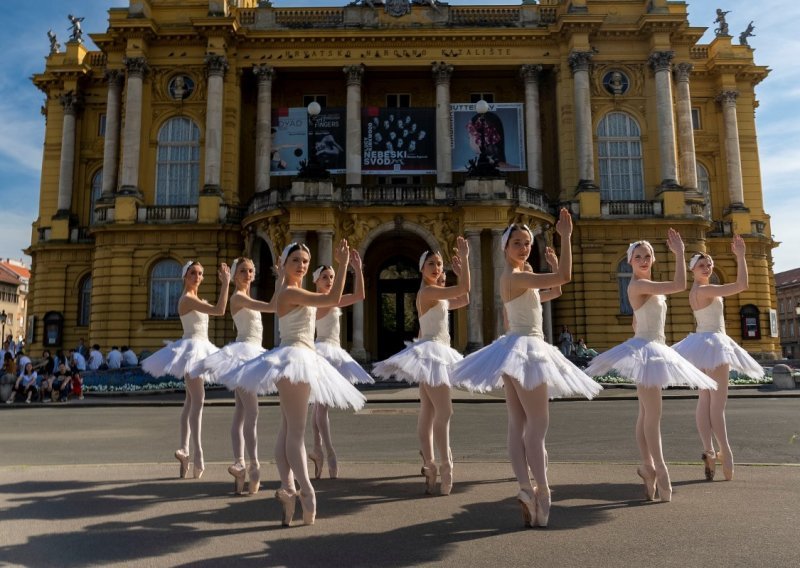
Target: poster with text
292,135
401,140
500,129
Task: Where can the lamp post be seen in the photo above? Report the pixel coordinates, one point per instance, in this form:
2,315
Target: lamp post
3,318
483,166
311,168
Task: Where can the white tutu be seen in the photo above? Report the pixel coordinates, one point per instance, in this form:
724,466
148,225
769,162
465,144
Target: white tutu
425,361
709,350
298,365
650,363
528,359
179,357
219,367
344,363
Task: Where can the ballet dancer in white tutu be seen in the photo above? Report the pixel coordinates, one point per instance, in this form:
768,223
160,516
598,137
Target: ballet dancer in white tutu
530,369
178,357
714,353
299,374
221,368
648,361
328,345
426,363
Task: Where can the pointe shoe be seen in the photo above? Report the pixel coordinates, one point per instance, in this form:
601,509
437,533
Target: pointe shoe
446,473
429,471
254,474
237,471
664,486
197,472
710,461
422,468
528,507
182,457
543,502
288,501
333,466
649,479
727,465
317,459
309,504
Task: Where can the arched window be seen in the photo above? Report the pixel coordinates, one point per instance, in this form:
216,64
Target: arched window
97,190
704,188
619,152
85,301
178,162
165,289
624,275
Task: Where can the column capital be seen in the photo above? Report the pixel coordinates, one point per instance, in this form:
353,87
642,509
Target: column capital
136,66
661,60
216,65
473,232
580,60
114,77
530,72
263,72
682,71
71,101
355,73
441,72
727,97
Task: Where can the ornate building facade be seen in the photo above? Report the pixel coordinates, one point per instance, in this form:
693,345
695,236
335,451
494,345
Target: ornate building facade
181,138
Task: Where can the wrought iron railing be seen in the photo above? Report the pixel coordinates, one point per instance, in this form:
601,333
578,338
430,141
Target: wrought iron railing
167,214
631,208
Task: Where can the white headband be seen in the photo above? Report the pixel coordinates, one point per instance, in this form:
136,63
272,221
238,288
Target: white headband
696,257
633,246
318,272
424,256
235,265
290,248
509,230
186,268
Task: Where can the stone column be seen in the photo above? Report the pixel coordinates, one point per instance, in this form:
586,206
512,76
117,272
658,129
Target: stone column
298,237
111,142
216,65
498,264
579,63
733,156
324,247
661,62
357,350
475,309
533,129
71,102
355,74
687,159
265,74
131,135
444,154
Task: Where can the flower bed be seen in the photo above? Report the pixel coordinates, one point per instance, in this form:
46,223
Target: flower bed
613,378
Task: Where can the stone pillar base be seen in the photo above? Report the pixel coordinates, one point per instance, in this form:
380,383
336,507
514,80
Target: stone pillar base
59,228
130,190
586,185
208,208
211,189
674,202
126,208
589,203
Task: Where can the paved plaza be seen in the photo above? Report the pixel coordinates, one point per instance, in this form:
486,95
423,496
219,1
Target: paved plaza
94,483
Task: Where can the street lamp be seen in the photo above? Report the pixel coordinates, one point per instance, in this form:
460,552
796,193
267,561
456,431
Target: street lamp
3,318
311,168
483,166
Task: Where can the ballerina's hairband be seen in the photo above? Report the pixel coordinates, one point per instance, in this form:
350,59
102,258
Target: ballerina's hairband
510,229
318,272
424,256
186,268
290,248
235,264
633,246
696,257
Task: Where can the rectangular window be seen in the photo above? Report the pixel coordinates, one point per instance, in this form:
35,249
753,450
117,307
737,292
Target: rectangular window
101,125
475,97
398,100
321,99
696,119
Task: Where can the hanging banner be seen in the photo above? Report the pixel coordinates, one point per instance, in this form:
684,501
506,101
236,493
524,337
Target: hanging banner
292,138
399,140
501,130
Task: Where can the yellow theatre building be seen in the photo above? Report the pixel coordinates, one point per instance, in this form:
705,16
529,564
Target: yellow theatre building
192,134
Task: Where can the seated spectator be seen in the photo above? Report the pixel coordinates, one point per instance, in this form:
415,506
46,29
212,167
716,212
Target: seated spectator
9,364
22,359
62,383
129,358
77,361
46,366
95,360
114,358
582,351
45,387
77,385
25,385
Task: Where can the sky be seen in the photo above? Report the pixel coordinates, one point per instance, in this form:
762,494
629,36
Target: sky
24,46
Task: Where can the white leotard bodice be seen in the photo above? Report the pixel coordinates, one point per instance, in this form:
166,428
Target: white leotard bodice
525,314
297,327
433,324
711,319
328,327
650,319
195,325
249,328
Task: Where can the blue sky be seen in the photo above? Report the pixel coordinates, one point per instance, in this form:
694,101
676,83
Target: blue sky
24,46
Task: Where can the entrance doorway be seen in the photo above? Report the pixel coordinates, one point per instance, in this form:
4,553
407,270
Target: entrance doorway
398,283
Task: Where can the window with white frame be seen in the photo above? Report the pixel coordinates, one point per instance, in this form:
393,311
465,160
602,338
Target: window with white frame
624,275
619,152
704,188
165,289
96,192
696,124
85,301
178,162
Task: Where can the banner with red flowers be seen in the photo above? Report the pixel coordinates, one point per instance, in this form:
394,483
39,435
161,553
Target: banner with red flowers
500,132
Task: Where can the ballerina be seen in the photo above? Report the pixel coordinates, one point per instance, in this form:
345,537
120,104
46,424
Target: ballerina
328,345
426,362
648,361
530,369
299,374
221,366
714,353
178,357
